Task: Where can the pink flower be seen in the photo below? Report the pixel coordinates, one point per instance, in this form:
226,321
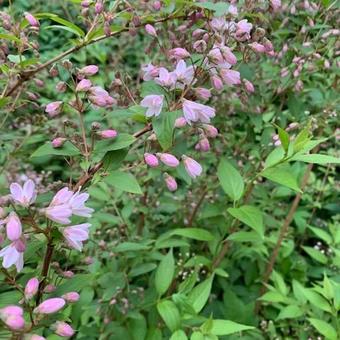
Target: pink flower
58,142
150,72
50,306
77,204
12,316
192,167
63,329
61,197
89,70
31,288
256,47
203,145
25,195
50,288
71,297
210,130
230,77
84,85
168,159
216,82
219,24
60,213
36,337
194,112
13,227
243,29
153,103
68,274
100,97
215,56
98,7
76,235
151,160
203,93
54,108
150,30
276,4
180,122
233,10
31,20
249,86
183,73
12,256
165,78
179,53
170,182
108,134
228,55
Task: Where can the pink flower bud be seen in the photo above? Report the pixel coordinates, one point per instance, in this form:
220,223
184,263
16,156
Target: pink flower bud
89,70
170,182
36,337
50,306
192,167
98,7
108,134
203,93
179,53
20,244
53,109
157,5
15,322
13,227
180,122
58,142
168,159
85,3
68,274
199,46
31,20
61,87
50,288
63,329
249,86
11,310
230,77
256,47
216,83
31,288
150,30
203,145
71,297
151,160
84,85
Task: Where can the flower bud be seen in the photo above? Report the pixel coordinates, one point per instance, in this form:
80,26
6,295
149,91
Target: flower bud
216,83
50,288
13,227
68,274
85,3
180,122
84,85
170,182
31,20
108,134
192,167
203,93
71,297
150,30
98,7
63,329
20,244
89,70
203,145
54,108
35,337
151,160
256,47
179,53
58,142
31,288
249,86
157,5
50,306
61,87
12,316
168,159
199,46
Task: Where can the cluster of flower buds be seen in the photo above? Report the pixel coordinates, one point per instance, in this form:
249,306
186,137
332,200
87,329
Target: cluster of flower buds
64,204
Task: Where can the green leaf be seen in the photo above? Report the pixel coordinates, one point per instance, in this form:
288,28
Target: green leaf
321,234
284,138
317,159
226,327
316,254
150,87
249,215
124,181
281,175
197,336
170,314
9,37
68,149
220,8
179,335
122,141
324,328
165,273
163,126
301,139
245,236
230,180
130,246
290,312
316,299
194,233
199,295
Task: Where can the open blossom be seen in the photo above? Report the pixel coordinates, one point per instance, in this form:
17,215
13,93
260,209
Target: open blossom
170,182
243,29
230,77
151,160
50,306
168,159
84,85
192,167
179,53
31,288
54,108
149,72
76,235
166,78
77,204
12,316
153,103
13,227
194,112
184,73
60,213
219,24
12,256
25,195
89,70
100,97
31,20
63,329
